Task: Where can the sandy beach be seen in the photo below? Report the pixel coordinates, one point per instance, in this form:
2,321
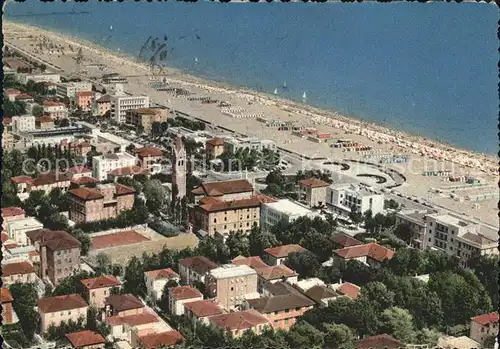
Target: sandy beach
423,154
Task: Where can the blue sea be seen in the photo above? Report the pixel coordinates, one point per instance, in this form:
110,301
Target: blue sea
429,68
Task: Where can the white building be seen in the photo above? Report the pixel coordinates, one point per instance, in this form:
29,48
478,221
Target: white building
56,110
120,103
342,197
103,164
286,210
105,137
69,89
23,123
43,77
459,237
233,144
156,280
17,229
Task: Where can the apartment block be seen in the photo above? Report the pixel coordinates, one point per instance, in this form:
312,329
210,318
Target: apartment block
103,202
341,198
371,254
10,214
178,296
123,305
83,100
69,89
239,322
200,311
274,274
46,182
119,104
484,326
195,269
23,123
416,221
252,143
55,310
231,284
143,118
8,314
150,158
272,213
214,147
22,272
102,105
103,164
54,110
156,280
44,122
234,189
313,191
17,229
98,289
277,255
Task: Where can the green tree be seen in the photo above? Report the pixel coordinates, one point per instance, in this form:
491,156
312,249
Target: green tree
156,195
103,263
260,240
337,335
404,232
238,244
84,239
24,304
134,277
37,111
407,262
355,216
306,264
71,284
304,335
398,322
213,249
487,270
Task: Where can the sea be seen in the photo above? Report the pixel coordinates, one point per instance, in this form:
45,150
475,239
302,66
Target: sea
427,68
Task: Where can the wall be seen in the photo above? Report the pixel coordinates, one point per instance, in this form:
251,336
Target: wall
57,317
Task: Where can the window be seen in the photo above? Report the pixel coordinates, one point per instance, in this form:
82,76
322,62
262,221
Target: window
232,288
215,220
93,294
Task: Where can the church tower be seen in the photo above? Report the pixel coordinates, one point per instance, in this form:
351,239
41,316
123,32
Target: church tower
179,166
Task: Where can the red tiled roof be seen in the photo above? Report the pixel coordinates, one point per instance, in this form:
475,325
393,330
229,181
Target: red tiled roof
372,250
345,240
486,319
100,282
314,183
203,308
50,103
5,296
254,201
85,338
85,94
123,190
161,340
79,169
129,170
240,320
44,118
166,273
133,320
122,238
184,292
24,96
22,179
5,237
349,290
275,272
220,188
87,193
199,264
54,239
6,121
214,142
123,302
378,342
60,303
12,91
12,211
254,262
17,268
149,151
284,250
50,178
84,180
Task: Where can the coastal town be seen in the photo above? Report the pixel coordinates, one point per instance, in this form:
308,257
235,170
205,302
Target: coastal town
145,208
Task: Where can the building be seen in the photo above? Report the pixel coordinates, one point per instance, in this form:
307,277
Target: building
343,240
122,305
215,216
45,181
102,105
44,122
17,229
11,94
347,289
371,254
103,202
282,310
150,158
214,148
8,314
195,269
129,172
156,280
8,139
201,310
86,340
103,164
462,342
54,310
179,295
254,262
241,321
234,189
314,190
22,272
143,118
231,284
69,89
234,144
322,294
378,341
119,104
459,237
179,168
24,97
59,253
123,327
98,289
10,214
277,255
415,220
83,100
484,326
54,110
42,77
341,198
23,123
281,210
79,172
275,274
159,340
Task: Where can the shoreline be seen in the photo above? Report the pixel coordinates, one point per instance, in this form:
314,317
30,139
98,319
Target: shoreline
177,76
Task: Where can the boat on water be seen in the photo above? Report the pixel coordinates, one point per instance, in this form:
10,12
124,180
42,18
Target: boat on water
110,27
275,91
196,59
304,96
284,85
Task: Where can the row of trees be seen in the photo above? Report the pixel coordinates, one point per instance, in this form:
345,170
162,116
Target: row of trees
160,128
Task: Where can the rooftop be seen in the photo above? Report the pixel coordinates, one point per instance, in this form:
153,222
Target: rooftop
284,250
283,302
215,206
123,302
378,342
486,319
161,340
277,288
17,268
231,271
349,290
158,274
275,272
318,293
6,296
85,338
313,183
203,308
60,303
149,111
128,170
345,240
253,262
149,151
12,211
87,193
372,250
199,264
289,207
448,219
121,238
233,186
214,142
184,292
240,320
133,320
100,282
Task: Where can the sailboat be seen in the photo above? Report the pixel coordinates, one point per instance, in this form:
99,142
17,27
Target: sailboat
196,59
110,27
275,91
284,85
304,96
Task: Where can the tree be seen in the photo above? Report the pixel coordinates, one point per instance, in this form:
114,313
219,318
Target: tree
489,341
392,204
378,295
304,335
156,195
84,239
37,111
404,232
306,264
24,304
398,322
337,335
134,277
407,262
238,244
355,216
213,249
103,263
260,240
130,148
36,199
71,284
487,270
